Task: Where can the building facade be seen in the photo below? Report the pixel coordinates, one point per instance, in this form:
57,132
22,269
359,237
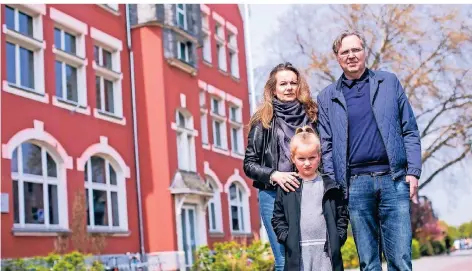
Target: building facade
74,77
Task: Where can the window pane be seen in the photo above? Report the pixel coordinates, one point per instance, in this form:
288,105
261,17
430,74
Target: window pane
32,163
100,211
98,169
235,218
213,216
181,18
26,68
234,139
16,205
232,192
96,54
57,38
114,207
71,83
14,161
112,175
53,205
107,62
98,97
86,172
181,120
180,6
11,63
52,168
183,218
109,99
26,24
10,17
69,43
241,212
87,204
58,73
240,199
215,106
34,204
218,133
182,51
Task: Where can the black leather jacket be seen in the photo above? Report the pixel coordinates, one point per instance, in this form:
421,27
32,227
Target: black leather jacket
260,157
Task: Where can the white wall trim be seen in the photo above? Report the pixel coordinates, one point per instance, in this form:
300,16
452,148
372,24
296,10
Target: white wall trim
217,17
233,29
236,101
106,150
216,92
208,171
237,178
40,97
205,9
37,134
35,9
68,21
183,100
106,39
202,85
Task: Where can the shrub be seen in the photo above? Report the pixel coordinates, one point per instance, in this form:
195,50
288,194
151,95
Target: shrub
229,256
438,247
349,252
415,249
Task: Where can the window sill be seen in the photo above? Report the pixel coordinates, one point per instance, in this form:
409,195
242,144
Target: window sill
71,106
235,123
112,11
109,232
182,66
38,231
241,234
99,114
208,63
220,150
216,234
237,155
106,72
206,146
223,72
69,58
233,48
26,41
25,92
218,116
236,79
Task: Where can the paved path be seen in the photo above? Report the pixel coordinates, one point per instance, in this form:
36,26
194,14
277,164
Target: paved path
457,261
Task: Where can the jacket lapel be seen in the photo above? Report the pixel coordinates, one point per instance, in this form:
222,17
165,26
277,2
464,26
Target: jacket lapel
337,94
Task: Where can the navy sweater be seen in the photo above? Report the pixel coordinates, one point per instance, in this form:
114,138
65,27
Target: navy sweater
366,150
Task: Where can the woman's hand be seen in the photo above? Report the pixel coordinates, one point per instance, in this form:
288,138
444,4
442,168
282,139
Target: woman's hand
286,180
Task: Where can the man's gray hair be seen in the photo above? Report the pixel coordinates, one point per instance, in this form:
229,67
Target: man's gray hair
346,33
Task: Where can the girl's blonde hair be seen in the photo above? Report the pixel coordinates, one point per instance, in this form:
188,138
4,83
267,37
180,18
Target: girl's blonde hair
304,135
265,111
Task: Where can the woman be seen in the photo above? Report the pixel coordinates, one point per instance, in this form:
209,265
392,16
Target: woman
287,105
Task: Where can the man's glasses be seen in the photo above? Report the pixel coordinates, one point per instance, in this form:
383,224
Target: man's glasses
354,51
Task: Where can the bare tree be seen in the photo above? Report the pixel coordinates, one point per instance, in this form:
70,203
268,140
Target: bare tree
427,46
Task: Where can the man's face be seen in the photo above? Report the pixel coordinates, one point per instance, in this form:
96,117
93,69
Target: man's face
351,56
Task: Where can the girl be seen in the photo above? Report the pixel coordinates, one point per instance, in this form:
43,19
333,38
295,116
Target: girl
311,223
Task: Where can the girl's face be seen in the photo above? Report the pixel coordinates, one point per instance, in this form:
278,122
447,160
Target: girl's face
307,159
287,86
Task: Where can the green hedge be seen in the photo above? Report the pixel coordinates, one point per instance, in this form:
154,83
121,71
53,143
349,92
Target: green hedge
415,249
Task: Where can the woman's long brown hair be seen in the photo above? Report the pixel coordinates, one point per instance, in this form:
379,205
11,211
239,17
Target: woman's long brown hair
265,111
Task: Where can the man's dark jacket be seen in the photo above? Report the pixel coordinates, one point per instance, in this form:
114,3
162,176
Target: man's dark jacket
395,120
286,223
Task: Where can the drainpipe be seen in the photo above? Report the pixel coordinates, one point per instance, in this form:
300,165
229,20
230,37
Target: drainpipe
135,136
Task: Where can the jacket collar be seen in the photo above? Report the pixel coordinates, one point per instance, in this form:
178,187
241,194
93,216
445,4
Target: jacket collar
374,79
328,184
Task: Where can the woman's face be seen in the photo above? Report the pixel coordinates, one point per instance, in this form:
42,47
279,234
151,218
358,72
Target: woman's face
286,88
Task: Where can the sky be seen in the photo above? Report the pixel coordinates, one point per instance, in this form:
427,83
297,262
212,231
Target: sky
451,192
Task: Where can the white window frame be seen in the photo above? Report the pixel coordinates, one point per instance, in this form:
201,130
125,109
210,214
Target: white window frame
66,23
115,46
183,12
59,181
233,54
115,7
220,118
119,188
186,160
216,201
36,44
204,119
221,46
240,203
186,57
206,46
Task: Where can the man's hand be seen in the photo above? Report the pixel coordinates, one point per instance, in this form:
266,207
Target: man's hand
413,181
286,180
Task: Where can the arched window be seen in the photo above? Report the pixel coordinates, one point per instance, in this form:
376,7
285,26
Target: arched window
239,208
214,207
105,196
37,188
185,142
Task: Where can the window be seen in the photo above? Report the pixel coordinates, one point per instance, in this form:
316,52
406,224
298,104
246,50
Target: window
238,202
184,51
104,194
203,118
108,76
206,38
236,130
214,207
182,16
233,55
219,123
37,191
185,142
220,46
216,106
66,74
25,52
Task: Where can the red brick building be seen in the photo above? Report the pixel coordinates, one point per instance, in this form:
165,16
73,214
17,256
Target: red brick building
69,77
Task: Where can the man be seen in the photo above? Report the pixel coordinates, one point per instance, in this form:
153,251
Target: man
371,145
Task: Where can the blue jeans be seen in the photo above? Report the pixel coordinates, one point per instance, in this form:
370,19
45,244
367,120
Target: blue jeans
266,209
379,209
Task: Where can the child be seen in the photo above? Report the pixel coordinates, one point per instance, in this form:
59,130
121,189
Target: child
311,222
